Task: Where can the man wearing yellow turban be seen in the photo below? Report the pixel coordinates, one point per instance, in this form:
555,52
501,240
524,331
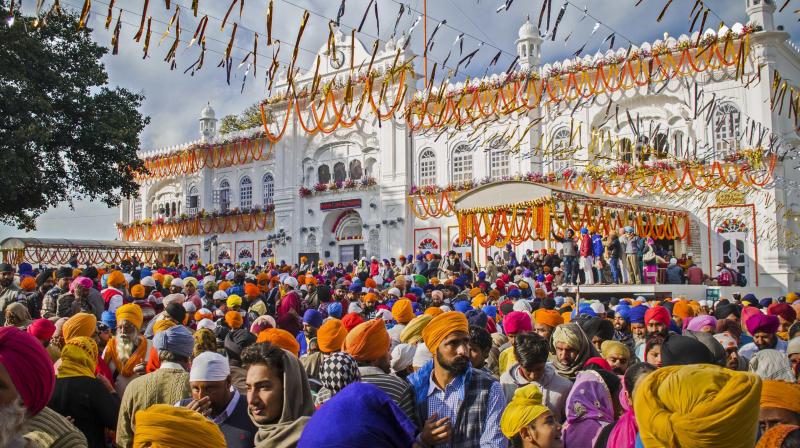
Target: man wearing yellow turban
369,344
529,423
80,324
164,425
780,404
472,420
617,354
412,333
128,351
698,405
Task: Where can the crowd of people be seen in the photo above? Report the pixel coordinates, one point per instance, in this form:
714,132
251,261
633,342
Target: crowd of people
420,351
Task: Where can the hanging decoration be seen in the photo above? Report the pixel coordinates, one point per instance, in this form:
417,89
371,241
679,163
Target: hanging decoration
745,169
233,151
63,255
256,219
536,219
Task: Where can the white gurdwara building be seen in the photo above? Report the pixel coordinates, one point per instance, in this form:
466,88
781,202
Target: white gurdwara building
346,194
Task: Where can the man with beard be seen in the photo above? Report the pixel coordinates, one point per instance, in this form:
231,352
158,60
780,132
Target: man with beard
461,406
622,326
9,292
656,320
127,353
167,385
76,300
617,354
214,397
44,283
50,300
369,344
763,328
27,381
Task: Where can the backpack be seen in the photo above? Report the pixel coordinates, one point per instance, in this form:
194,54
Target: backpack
725,278
741,280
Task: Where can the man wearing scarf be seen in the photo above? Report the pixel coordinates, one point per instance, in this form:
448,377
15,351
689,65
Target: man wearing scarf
27,381
460,405
572,349
127,353
214,397
278,396
763,328
91,402
169,384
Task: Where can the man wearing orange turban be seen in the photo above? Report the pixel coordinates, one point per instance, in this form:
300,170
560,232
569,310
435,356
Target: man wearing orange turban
280,338
681,310
163,425
251,291
447,337
402,312
780,404
545,321
331,336
234,320
369,344
81,324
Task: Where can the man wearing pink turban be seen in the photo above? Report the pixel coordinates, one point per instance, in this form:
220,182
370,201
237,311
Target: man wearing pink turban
763,328
27,380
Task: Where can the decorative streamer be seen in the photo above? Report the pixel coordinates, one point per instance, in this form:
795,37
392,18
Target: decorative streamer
229,48
664,11
87,6
146,46
364,17
225,19
195,7
138,35
174,48
200,31
558,20
115,36
340,13
110,13
396,21
269,23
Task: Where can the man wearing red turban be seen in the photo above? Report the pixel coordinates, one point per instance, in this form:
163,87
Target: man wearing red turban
27,381
657,321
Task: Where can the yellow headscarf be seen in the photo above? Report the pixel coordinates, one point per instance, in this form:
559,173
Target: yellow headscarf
78,358
132,313
615,348
413,331
525,407
164,425
162,325
699,405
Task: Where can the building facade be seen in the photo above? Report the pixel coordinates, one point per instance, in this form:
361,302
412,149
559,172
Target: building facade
344,194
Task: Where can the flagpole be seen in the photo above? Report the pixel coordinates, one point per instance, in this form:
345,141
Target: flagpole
425,31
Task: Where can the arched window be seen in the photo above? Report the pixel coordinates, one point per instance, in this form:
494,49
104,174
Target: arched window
427,168
677,145
661,146
355,169
626,150
498,162
560,157
339,172
192,200
222,197
370,167
324,174
268,188
462,164
726,128
174,210
245,193
137,209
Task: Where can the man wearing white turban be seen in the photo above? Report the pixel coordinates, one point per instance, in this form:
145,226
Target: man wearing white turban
214,396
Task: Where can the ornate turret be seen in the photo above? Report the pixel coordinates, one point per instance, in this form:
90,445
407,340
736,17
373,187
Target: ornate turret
208,123
761,12
529,45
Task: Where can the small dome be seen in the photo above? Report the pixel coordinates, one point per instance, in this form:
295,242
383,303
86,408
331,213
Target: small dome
528,30
208,112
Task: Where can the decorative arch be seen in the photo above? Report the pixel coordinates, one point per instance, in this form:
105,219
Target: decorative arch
349,226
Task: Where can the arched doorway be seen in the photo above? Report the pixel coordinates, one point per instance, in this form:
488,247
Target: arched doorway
348,236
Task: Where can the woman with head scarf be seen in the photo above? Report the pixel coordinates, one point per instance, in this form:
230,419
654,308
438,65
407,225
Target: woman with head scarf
622,433
772,365
590,407
698,405
280,402
17,315
290,313
526,422
90,401
572,349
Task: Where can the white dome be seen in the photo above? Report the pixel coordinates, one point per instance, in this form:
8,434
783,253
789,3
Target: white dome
528,30
208,112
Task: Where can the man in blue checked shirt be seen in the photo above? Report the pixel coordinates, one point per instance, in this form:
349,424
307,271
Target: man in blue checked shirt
461,406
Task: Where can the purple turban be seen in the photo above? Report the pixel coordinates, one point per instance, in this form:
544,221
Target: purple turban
762,323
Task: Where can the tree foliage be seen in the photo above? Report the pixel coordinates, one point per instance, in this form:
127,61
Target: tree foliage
65,134
249,118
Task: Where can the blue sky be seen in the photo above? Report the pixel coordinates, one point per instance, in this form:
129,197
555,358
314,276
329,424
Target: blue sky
174,99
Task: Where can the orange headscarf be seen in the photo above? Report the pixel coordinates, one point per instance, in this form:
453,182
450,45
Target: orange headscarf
682,309
368,341
402,311
234,319
550,318
116,280
775,436
81,324
280,338
434,311
331,335
781,395
442,326
251,290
